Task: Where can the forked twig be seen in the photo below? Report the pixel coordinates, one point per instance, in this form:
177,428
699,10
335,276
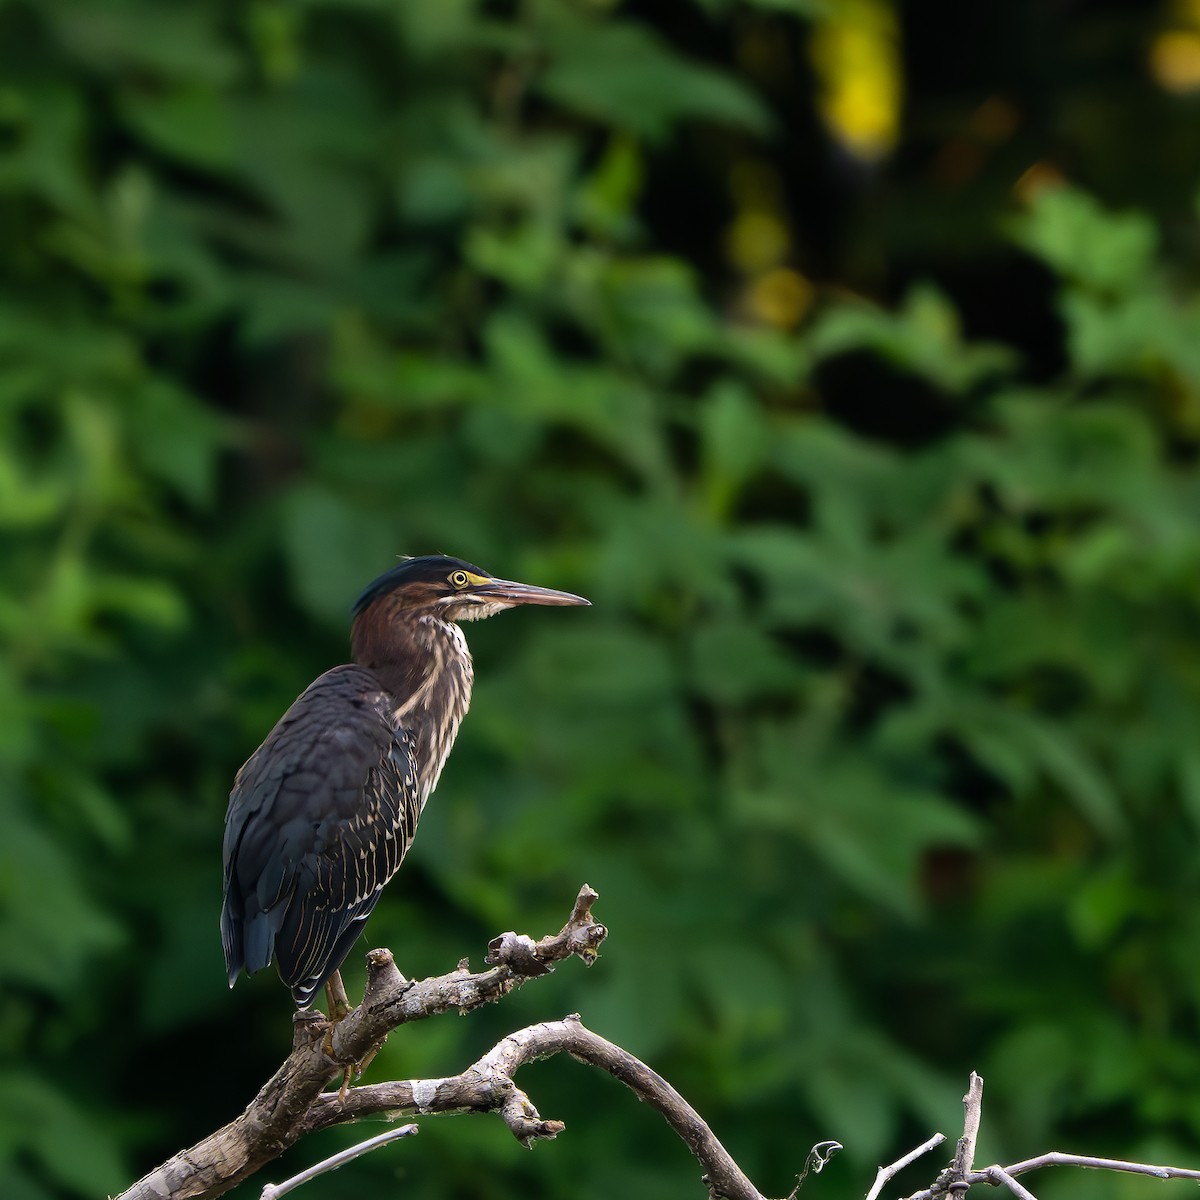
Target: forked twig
998,1175
958,1176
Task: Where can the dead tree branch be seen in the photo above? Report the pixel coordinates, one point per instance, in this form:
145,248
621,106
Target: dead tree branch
892,1169
294,1101
487,1086
272,1191
964,1154
954,1181
999,1176
1056,1158
322,1052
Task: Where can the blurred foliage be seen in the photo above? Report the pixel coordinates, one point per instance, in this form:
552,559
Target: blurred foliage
852,371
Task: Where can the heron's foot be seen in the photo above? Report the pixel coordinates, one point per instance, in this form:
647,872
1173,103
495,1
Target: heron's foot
366,1060
354,1071
307,1025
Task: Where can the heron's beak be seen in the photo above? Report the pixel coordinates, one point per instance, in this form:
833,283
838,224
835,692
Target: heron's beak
505,591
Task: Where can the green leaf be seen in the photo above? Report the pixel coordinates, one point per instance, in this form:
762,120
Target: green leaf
735,442
1069,230
192,123
183,43
1059,755
334,548
177,438
621,74
733,662
923,337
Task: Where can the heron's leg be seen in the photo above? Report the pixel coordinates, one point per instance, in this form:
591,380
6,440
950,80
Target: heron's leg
339,1007
338,1004
335,996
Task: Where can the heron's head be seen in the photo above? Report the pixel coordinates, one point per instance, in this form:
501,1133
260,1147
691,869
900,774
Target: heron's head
451,590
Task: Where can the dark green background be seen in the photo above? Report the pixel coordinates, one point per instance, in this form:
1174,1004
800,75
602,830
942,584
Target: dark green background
879,465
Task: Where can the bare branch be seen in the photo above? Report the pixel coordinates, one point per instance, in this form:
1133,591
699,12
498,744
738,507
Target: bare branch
999,1175
957,1179
322,1052
487,1085
578,936
294,1101
892,1169
272,1191
1056,1158
964,1154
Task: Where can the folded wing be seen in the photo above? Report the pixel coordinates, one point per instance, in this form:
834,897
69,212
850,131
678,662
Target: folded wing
320,817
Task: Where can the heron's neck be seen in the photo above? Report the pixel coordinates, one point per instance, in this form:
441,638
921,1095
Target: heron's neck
424,664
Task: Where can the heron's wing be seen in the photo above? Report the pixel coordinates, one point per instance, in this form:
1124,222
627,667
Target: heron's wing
320,817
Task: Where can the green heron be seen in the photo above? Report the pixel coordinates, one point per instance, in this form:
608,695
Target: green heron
323,812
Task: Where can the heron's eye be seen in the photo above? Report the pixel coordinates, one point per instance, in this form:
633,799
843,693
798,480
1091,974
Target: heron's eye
459,579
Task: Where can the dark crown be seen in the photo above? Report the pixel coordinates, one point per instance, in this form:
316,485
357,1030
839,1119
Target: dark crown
427,568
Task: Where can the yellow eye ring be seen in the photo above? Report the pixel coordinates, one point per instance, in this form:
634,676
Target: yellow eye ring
459,579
